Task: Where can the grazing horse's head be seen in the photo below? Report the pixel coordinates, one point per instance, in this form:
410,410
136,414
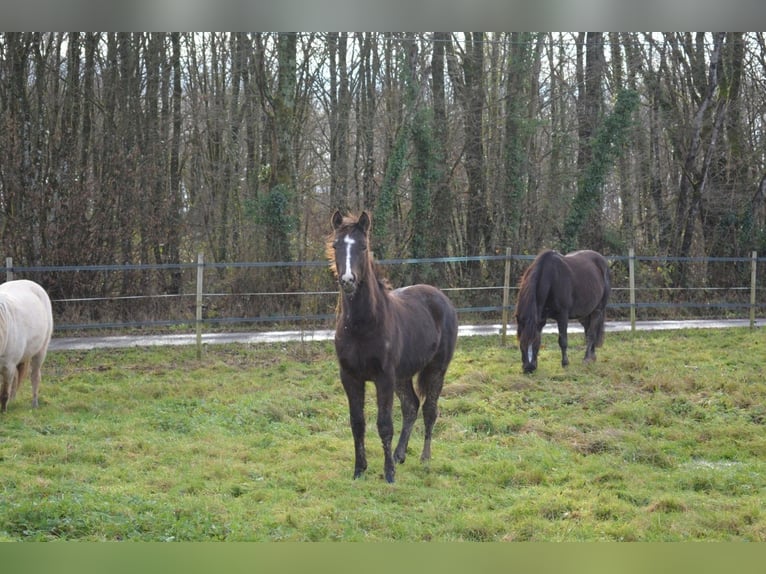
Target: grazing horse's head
529,321
349,250
529,335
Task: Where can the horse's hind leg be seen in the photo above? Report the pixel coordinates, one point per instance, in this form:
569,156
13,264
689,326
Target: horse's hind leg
430,382
7,382
410,405
21,372
35,375
592,325
563,343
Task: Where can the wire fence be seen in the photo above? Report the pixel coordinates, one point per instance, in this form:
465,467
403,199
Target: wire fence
264,295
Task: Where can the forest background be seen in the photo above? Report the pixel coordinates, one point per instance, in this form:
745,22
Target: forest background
147,148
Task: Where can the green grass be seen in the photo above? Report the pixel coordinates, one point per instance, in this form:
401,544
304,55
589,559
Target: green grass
663,439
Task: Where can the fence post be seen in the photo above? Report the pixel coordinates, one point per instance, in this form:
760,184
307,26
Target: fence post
632,274
753,276
200,274
9,268
506,294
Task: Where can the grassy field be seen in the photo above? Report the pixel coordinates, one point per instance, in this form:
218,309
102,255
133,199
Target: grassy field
663,439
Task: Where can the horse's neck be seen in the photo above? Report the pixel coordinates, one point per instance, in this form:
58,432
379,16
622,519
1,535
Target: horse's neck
364,309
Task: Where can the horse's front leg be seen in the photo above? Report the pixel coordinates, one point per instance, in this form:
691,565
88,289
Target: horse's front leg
355,393
385,395
563,324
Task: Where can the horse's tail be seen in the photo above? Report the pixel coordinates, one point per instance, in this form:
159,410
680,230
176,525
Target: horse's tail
604,300
4,324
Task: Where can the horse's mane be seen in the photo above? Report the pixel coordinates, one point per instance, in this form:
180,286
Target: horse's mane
527,302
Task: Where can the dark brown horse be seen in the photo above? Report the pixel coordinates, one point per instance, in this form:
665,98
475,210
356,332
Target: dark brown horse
387,337
575,286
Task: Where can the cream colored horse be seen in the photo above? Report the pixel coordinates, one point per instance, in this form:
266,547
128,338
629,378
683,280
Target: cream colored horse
26,325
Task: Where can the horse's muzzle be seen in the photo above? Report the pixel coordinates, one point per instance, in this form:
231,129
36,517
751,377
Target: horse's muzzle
348,283
529,360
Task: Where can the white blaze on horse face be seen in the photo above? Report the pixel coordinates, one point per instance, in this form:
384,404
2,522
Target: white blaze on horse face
530,353
348,276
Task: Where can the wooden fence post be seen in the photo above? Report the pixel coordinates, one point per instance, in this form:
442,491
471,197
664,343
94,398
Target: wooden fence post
506,295
753,276
9,268
200,274
632,275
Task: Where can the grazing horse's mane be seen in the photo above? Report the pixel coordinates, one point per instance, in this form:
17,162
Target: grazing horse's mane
527,298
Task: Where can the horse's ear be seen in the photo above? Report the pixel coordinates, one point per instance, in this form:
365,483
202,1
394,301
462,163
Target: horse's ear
364,221
337,219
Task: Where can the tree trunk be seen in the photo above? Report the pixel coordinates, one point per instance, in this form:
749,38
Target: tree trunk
340,112
693,175
589,112
441,204
468,80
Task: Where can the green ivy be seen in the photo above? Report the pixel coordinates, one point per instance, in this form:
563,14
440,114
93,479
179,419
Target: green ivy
384,209
423,175
272,212
607,146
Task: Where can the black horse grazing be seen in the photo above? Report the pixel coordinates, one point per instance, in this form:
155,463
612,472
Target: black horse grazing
575,286
387,337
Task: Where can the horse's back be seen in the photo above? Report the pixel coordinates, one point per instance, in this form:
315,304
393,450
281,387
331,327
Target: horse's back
433,300
592,262
26,318
430,317
594,257
591,280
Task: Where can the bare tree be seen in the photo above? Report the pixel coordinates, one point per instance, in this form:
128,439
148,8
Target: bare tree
467,75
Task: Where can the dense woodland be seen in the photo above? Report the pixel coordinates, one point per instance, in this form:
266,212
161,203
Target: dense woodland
151,147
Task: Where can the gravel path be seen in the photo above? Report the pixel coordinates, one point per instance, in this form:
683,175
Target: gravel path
117,341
